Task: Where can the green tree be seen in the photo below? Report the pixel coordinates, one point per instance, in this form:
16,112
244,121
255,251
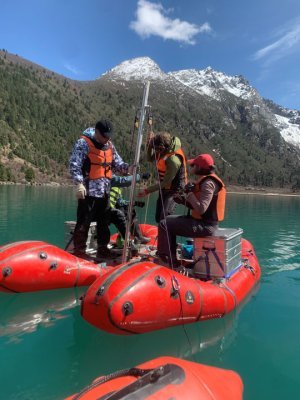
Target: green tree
29,174
2,173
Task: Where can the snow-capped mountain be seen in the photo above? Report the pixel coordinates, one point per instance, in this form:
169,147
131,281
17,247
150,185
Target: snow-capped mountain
213,83
140,68
217,86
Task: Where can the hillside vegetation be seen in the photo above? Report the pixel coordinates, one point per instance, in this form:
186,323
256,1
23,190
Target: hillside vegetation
43,113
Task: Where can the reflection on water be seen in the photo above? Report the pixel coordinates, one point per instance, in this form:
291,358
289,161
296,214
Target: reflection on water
284,252
208,340
272,225
75,352
27,312
192,342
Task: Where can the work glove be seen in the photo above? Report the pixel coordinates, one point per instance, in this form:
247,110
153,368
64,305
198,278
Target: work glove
81,191
146,175
179,199
182,199
189,187
131,169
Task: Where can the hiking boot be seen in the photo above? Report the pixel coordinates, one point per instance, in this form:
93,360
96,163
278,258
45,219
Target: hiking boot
105,252
79,253
138,235
134,249
83,255
184,271
142,239
165,261
161,262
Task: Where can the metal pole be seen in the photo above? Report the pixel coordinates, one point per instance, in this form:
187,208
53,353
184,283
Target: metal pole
135,165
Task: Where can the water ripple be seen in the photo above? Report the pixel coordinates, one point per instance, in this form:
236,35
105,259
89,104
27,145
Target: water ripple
284,253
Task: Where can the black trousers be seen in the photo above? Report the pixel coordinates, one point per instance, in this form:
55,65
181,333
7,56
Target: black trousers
180,225
118,217
165,205
88,210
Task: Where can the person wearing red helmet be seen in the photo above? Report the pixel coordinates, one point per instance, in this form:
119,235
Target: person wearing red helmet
206,200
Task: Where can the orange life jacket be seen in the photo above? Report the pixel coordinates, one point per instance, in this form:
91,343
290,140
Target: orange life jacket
216,209
100,160
180,179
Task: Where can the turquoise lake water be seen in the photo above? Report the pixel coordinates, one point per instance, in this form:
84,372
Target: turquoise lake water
49,352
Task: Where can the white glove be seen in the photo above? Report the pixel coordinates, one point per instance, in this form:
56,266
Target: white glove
81,191
130,170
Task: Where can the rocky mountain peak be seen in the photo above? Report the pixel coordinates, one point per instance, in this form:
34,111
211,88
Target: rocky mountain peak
140,68
216,85
212,83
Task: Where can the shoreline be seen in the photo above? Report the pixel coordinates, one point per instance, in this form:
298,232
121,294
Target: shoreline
240,190
274,194
261,191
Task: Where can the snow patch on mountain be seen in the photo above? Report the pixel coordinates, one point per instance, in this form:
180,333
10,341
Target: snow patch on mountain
289,131
212,83
140,68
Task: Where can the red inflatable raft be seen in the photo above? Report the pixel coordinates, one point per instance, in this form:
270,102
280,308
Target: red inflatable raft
166,378
32,266
139,297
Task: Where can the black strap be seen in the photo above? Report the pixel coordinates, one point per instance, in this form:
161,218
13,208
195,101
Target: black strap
114,375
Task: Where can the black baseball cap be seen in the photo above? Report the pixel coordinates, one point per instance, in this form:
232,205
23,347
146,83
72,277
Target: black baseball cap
105,128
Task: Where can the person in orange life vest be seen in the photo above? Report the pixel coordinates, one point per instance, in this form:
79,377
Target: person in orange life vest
206,198
165,150
91,163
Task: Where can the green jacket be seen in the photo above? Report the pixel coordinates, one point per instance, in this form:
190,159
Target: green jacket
173,164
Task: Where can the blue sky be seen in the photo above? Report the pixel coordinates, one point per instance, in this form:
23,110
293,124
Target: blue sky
81,39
